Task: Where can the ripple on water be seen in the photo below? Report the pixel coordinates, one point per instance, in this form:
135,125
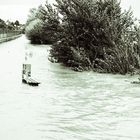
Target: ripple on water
67,105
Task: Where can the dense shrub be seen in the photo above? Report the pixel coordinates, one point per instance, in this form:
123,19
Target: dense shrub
42,25
96,34
34,31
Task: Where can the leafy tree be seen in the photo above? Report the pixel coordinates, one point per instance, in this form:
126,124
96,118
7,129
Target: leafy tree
47,26
33,27
17,23
97,35
2,24
34,31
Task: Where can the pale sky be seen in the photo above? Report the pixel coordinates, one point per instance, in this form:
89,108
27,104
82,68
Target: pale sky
19,9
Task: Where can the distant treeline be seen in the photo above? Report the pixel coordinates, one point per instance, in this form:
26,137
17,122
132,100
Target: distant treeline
11,27
88,35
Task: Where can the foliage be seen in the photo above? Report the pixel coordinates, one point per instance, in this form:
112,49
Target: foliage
9,26
34,31
2,24
17,23
42,25
97,35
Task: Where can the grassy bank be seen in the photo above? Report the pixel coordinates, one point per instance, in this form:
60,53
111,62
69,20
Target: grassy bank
5,39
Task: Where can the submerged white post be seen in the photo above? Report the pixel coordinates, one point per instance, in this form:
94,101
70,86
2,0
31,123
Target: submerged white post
26,72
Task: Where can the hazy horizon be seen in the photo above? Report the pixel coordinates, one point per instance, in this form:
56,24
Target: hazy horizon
19,9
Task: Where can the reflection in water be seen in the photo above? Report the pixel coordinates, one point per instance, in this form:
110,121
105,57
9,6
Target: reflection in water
67,105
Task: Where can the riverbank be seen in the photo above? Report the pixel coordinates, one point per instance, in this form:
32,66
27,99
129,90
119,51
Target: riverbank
5,39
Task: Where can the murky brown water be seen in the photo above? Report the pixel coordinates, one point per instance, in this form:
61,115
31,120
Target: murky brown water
67,105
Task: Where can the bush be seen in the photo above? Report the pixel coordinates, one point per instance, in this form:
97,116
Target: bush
96,34
42,25
34,31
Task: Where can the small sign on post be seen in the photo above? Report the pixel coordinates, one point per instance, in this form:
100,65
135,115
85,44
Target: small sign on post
26,71
26,75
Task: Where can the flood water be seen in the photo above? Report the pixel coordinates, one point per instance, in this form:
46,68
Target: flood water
67,105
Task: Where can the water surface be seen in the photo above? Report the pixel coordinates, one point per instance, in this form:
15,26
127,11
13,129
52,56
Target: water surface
67,105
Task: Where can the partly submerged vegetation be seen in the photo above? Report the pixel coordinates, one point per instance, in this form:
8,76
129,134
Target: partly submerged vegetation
88,35
42,25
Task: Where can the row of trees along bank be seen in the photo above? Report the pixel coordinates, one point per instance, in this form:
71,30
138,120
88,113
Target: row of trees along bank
88,35
8,29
